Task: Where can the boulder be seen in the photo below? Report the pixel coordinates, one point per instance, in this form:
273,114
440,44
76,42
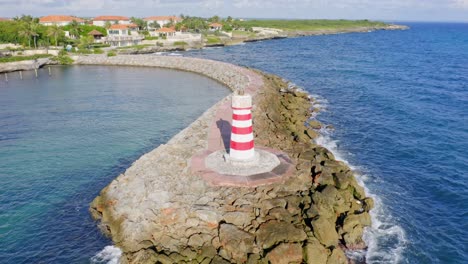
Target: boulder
324,231
337,257
353,220
315,253
285,253
353,239
236,243
274,232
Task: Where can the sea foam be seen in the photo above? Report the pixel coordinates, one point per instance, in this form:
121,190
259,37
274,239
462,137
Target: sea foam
386,240
109,255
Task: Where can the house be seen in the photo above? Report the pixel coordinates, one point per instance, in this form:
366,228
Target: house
216,26
121,35
3,19
161,20
97,35
59,20
166,32
102,20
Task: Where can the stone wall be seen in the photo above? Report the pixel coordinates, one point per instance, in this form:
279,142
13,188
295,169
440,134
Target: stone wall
159,212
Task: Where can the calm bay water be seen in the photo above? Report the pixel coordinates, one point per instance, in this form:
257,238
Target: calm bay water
399,104
63,138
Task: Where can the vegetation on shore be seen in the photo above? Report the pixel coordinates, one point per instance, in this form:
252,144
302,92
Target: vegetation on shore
24,58
310,25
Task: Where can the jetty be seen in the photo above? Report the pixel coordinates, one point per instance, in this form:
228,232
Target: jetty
165,209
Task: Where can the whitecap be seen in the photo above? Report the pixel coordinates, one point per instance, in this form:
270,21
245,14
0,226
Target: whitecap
109,255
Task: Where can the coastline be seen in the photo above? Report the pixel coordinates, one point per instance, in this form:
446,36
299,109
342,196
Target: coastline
32,65
159,211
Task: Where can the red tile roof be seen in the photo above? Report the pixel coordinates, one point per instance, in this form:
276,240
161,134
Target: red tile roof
95,33
59,18
110,18
123,26
3,19
166,30
163,18
216,25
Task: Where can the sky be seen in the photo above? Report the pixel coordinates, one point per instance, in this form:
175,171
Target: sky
388,10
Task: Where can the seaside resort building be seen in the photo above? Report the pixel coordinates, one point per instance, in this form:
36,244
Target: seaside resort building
59,20
120,35
102,20
161,20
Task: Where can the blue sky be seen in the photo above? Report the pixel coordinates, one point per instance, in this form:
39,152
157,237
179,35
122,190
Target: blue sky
405,10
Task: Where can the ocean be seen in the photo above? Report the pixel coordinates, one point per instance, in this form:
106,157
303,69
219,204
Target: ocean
398,102
65,137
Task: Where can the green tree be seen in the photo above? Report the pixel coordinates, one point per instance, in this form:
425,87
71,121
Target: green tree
107,25
54,32
142,25
86,41
29,30
75,29
214,19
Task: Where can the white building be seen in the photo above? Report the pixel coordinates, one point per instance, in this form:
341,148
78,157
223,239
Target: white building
102,20
161,20
120,35
59,20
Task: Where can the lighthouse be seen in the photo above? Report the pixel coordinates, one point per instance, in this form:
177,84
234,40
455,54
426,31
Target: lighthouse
242,139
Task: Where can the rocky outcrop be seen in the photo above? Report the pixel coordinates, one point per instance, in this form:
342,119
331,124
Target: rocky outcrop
159,212
25,65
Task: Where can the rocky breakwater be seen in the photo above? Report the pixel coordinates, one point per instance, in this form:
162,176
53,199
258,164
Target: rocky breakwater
25,65
160,212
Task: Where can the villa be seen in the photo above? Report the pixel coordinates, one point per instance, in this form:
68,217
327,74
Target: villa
121,35
59,20
102,20
97,35
165,32
161,20
216,26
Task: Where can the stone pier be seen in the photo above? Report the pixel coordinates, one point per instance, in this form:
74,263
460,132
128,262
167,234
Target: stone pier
162,211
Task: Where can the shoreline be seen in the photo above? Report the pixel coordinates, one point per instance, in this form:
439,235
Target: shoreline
32,64
152,214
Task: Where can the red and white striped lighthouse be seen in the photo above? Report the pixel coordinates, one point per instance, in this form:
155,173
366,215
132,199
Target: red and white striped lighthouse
242,140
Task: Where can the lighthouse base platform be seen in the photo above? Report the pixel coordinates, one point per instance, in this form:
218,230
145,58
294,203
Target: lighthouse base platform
267,167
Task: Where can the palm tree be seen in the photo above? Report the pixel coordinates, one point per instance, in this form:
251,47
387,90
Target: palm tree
54,31
28,30
75,29
107,25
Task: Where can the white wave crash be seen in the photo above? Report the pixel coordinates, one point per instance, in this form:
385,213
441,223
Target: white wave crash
109,255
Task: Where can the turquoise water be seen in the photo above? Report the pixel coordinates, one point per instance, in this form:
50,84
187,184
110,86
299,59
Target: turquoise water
399,103
65,137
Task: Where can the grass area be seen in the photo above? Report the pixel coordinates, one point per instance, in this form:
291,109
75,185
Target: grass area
138,47
180,43
24,58
310,25
151,38
240,33
213,40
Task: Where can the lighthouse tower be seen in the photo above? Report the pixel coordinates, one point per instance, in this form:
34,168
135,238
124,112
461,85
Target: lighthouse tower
242,139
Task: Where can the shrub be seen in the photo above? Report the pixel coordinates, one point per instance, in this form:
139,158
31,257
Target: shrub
151,38
180,43
98,51
63,58
159,44
23,58
111,54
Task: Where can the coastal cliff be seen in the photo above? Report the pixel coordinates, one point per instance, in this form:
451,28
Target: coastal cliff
158,211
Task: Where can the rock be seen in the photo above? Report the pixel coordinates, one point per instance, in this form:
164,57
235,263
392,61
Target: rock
324,231
237,243
337,257
343,180
241,219
274,232
368,204
314,124
353,220
359,192
315,252
285,254
353,239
